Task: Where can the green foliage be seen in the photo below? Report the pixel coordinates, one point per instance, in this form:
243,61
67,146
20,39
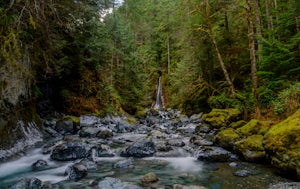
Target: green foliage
288,100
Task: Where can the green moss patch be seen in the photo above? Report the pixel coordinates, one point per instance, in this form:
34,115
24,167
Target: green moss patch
237,124
282,143
251,148
226,138
254,126
221,117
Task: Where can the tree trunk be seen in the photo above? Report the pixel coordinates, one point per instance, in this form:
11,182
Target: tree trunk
258,29
221,62
169,59
269,18
252,57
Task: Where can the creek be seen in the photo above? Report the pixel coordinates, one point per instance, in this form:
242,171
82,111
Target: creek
112,147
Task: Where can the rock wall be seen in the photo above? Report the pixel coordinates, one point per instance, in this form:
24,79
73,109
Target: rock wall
18,130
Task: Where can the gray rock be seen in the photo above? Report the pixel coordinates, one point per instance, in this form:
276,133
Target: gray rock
104,151
214,154
123,164
113,183
76,171
176,142
64,126
69,151
104,133
39,165
28,183
141,148
89,120
89,131
286,185
242,173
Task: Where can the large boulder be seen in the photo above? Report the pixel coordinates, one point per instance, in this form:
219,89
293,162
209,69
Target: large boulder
28,183
251,148
65,126
282,144
214,154
226,138
76,171
69,151
142,148
221,117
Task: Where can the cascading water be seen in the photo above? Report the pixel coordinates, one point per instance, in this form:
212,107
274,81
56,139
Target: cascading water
159,99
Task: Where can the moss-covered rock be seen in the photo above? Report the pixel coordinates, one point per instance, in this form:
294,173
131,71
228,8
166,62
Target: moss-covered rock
237,124
226,138
251,148
282,143
253,127
221,117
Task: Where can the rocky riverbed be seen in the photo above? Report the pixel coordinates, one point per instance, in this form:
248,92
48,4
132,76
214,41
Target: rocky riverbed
163,149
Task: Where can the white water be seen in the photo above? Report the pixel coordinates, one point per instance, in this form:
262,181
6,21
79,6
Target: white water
14,170
182,164
159,100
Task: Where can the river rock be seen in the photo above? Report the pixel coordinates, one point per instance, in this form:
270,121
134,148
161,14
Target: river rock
188,129
89,120
39,165
251,148
105,133
282,144
176,142
28,183
200,141
179,186
89,131
64,126
142,148
69,151
287,185
76,171
123,127
214,154
149,179
202,128
113,183
242,173
103,151
123,164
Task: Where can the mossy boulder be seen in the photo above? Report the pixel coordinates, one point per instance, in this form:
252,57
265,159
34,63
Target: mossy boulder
282,144
253,127
251,148
237,124
226,138
221,117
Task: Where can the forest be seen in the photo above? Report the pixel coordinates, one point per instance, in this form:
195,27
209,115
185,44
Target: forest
100,56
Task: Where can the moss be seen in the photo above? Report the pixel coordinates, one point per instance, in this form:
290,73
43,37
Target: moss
282,143
251,148
221,117
254,126
75,119
237,124
226,138
131,120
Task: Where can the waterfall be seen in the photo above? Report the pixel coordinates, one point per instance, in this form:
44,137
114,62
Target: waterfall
159,99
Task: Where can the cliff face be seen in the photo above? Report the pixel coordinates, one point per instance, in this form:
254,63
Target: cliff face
18,130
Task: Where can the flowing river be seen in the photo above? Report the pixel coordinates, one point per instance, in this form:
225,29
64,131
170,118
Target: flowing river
168,154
